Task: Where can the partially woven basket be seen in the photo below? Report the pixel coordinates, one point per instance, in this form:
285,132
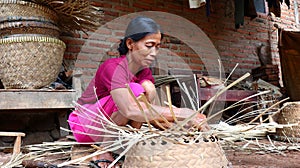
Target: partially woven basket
290,114
28,27
30,62
17,9
163,153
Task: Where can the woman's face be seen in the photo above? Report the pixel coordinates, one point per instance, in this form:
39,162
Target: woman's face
144,51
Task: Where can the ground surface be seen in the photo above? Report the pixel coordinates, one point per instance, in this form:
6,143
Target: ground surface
254,160
265,158
246,159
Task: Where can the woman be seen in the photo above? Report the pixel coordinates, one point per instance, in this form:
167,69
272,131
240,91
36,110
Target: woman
138,50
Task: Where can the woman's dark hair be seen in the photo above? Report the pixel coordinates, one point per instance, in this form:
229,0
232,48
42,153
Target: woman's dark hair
137,29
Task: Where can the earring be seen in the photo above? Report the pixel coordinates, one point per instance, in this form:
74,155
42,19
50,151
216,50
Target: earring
130,47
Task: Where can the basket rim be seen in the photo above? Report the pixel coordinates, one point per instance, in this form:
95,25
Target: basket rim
20,39
30,4
26,24
25,18
291,103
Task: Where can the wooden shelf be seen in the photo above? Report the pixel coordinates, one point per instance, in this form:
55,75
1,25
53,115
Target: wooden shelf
12,99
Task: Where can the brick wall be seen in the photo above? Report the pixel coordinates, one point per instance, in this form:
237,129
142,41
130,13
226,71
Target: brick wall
87,51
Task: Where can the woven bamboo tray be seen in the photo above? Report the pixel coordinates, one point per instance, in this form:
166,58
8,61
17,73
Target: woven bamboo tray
161,153
28,27
18,9
290,114
30,62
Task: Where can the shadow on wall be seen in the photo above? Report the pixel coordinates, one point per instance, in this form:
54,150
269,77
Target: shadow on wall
1,85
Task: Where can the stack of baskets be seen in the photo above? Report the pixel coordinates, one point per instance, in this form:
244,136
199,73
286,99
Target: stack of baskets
290,114
31,52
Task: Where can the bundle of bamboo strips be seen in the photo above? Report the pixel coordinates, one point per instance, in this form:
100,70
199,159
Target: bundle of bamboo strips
75,15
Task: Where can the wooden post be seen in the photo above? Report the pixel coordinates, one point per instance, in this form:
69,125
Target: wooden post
17,144
77,83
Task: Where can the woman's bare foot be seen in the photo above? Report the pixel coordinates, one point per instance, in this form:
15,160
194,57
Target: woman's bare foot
104,160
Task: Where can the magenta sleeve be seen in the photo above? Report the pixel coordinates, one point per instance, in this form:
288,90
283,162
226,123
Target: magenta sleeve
145,74
112,76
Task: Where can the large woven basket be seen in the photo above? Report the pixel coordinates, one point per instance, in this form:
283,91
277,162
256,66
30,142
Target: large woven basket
28,27
290,114
161,153
30,62
18,9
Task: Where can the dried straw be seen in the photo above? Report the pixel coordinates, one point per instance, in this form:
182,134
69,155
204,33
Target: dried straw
75,15
126,138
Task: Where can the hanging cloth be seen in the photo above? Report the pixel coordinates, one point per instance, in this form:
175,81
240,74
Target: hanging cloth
250,9
274,7
243,8
207,6
287,2
289,52
239,13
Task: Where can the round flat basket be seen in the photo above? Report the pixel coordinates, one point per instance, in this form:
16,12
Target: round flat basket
17,9
30,62
161,153
290,114
28,27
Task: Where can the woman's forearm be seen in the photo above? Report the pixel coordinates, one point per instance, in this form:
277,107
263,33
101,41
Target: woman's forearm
159,113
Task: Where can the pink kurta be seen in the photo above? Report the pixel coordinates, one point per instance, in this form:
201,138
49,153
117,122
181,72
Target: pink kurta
96,99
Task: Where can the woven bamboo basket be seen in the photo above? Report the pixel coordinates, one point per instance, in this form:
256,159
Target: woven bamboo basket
28,27
30,62
18,10
290,114
163,153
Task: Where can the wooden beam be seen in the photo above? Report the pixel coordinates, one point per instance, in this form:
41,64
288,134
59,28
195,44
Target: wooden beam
36,99
12,134
229,95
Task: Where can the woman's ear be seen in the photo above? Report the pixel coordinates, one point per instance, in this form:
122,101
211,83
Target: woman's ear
129,43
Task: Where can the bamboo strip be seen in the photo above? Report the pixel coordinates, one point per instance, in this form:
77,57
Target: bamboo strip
139,105
170,103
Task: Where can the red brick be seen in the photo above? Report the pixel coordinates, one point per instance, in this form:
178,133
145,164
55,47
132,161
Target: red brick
83,57
192,55
111,13
113,40
161,9
74,49
100,45
196,61
120,33
85,36
104,5
86,65
123,8
92,50
112,53
70,56
196,67
140,6
74,41
103,31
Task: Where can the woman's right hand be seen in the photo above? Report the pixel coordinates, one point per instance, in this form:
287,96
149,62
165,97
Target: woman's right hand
196,121
199,120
